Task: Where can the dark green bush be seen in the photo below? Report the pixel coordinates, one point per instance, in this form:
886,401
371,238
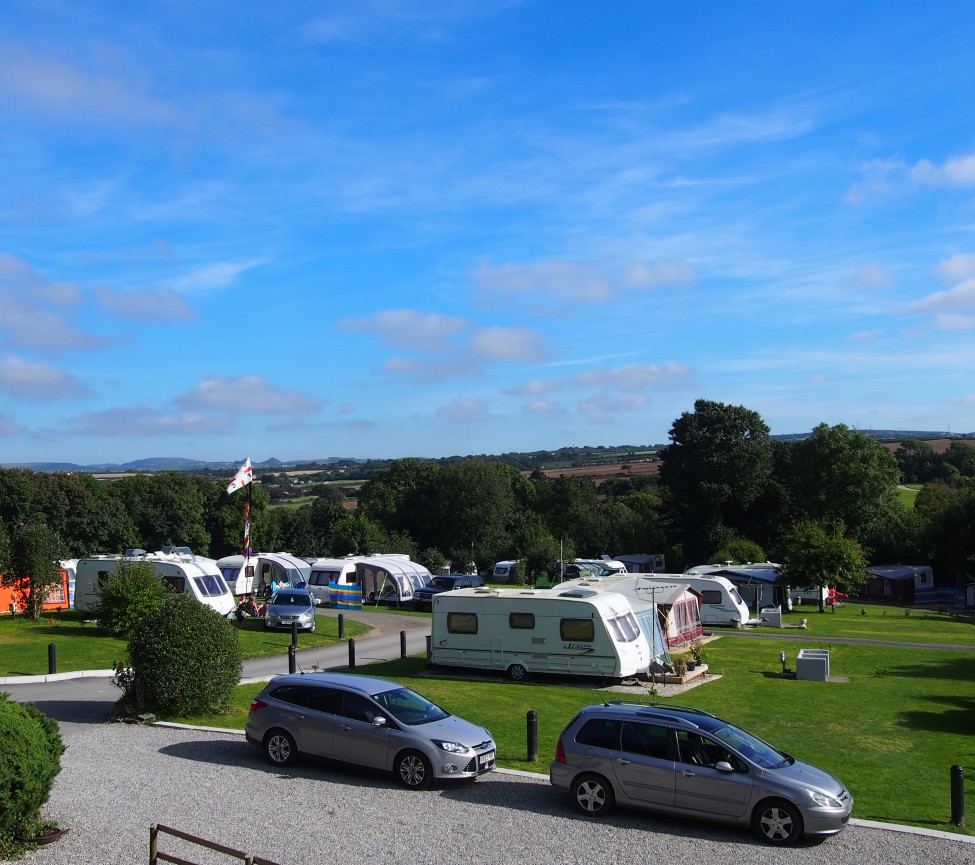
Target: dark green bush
185,658
128,596
30,760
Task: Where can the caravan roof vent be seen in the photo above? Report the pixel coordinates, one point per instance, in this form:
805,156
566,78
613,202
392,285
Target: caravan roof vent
578,593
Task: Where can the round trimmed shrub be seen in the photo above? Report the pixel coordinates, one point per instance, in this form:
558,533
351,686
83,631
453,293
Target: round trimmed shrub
30,760
128,596
185,658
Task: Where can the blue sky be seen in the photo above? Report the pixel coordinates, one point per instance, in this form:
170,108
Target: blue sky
430,228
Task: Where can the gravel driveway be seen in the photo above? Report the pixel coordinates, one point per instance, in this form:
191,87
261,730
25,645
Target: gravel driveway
119,779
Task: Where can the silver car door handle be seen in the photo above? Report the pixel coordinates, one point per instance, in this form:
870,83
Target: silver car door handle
687,774
622,762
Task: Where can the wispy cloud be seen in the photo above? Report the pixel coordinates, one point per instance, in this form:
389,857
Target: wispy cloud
212,276
38,382
147,305
146,422
463,409
883,178
407,327
242,395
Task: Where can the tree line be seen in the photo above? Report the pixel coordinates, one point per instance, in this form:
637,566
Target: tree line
725,491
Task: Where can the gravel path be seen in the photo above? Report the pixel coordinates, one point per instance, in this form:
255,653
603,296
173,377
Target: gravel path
119,779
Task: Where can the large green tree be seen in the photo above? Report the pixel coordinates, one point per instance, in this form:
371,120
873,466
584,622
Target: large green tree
814,557
32,564
717,464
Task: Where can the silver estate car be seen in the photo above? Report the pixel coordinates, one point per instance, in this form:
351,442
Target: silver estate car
683,761
367,722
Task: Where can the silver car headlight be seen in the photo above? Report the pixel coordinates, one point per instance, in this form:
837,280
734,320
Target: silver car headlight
823,800
451,747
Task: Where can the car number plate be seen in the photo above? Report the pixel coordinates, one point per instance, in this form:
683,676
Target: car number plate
486,761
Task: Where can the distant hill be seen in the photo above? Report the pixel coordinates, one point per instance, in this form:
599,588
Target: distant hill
184,464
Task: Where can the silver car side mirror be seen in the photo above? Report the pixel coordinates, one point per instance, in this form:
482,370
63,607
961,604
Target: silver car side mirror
380,721
724,766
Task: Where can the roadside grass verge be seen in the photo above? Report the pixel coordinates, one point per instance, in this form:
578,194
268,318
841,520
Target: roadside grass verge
890,733
24,642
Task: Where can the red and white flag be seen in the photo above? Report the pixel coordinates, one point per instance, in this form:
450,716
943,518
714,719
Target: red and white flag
245,474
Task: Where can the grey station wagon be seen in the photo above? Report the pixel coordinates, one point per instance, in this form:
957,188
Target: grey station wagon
683,761
367,722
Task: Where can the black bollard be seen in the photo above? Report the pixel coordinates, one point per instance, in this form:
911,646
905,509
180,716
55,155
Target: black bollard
292,660
533,736
957,795
402,644
341,626
294,633
52,658
429,646
352,652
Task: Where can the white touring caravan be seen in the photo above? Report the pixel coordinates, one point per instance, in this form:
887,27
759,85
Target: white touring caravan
721,605
261,570
384,578
572,631
184,573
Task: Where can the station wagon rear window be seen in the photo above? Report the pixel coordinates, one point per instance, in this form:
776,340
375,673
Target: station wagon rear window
461,623
578,630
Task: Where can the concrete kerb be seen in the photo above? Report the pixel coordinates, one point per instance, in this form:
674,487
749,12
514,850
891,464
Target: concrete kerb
57,677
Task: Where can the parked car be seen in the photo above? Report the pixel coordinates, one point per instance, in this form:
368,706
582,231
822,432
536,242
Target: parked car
288,606
423,598
368,722
683,761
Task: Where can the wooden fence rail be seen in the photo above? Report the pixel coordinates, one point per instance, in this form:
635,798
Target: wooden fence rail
156,856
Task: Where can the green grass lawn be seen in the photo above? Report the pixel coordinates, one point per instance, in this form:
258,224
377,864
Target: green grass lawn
24,642
877,622
908,495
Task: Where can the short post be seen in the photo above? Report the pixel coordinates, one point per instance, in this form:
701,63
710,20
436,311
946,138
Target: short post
957,795
533,736
52,658
294,633
352,652
341,625
402,644
292,660
153,844
429,646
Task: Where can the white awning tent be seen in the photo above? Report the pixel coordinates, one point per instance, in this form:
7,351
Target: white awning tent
390,580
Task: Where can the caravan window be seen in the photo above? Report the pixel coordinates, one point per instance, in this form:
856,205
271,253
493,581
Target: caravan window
322,578
521,621
624,628
103,578
461,623
578,630
177,585
210,586
711,597
230,574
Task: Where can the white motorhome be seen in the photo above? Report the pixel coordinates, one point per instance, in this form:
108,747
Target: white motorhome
383,577
571,631
721,605
183,573
256,573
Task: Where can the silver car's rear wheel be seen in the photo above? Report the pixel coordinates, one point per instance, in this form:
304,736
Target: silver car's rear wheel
414,770
778,822
280,748
592,795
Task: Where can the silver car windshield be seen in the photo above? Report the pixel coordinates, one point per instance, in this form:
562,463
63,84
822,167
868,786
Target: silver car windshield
410,708
752,747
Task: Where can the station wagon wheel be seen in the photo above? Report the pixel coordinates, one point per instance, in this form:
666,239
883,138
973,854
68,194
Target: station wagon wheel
777,822
413,770
517,673
280,748
592,795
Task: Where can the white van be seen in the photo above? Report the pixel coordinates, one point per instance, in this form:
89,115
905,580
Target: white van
256,573
572,631
182,572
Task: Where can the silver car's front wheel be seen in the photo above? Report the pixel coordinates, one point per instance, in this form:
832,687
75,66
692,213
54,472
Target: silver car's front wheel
414,770
778,822
592,795
280,748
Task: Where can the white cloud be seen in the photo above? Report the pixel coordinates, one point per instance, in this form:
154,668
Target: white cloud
37,382
147,305
463,408
633,376
147,422
537,387
957,268
214,276
602,403
432,370
507,344
961,296
407,327
244,395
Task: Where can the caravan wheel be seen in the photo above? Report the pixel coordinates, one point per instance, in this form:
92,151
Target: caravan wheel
517,673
